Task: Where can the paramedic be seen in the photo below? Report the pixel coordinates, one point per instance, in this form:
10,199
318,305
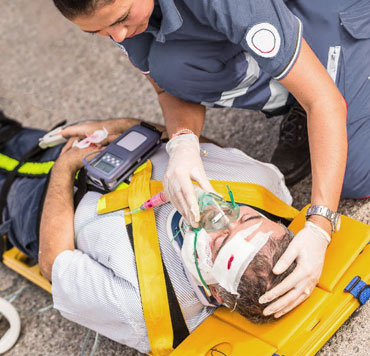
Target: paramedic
232,53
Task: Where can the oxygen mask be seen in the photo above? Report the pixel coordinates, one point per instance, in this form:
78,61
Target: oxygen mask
215,212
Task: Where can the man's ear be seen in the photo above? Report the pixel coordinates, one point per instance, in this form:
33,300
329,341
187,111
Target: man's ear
215,294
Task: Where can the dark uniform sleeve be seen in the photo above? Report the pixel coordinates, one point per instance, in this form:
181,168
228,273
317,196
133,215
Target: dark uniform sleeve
137,50
264,28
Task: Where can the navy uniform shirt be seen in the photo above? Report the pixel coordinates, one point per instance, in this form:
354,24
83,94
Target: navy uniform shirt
228,53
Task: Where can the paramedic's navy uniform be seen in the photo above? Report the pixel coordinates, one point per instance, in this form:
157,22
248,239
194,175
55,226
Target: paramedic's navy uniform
232,53
199,51
340,37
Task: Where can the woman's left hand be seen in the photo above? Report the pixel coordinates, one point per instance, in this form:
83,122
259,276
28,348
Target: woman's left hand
308,248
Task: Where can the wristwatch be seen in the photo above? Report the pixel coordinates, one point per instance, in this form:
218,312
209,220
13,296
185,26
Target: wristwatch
331,215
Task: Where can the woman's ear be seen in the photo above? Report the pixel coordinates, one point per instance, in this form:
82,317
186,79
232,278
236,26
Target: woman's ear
215,294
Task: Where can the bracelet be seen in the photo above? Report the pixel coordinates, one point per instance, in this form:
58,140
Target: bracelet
182,132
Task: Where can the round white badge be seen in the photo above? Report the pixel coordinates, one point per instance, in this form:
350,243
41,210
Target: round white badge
264,39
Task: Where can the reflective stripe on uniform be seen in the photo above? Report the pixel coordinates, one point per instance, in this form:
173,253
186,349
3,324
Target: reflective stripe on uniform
29,168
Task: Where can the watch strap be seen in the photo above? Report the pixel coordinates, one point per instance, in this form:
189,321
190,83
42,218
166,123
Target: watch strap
327,213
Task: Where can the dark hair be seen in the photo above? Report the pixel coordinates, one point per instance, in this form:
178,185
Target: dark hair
74,8
258,279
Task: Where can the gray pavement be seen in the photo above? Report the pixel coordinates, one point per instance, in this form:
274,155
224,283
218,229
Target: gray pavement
49,71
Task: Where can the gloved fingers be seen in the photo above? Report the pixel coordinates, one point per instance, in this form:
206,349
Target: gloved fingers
192,208
291,306
181,207
282,302
283,287
286,259
174,193
199,175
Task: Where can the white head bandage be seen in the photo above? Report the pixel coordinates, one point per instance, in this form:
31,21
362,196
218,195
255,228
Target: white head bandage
234,258
231,262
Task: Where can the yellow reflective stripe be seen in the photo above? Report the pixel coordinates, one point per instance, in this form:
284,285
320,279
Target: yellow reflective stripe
7,163
31,168
149,265
35,168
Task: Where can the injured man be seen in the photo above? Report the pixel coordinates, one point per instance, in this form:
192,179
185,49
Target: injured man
89,257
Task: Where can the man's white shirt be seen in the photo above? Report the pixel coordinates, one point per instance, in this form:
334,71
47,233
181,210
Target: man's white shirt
96,285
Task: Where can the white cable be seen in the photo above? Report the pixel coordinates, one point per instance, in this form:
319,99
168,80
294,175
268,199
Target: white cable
11,336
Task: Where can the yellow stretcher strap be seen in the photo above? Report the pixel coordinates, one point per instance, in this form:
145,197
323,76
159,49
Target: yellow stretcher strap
245,193
257,196
149,266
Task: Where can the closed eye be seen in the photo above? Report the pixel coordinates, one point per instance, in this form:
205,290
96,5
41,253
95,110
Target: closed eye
122,20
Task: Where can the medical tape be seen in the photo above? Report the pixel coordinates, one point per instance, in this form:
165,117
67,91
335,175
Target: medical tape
96,137
235,257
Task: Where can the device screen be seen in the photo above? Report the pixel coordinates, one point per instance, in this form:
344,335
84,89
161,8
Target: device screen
132,141
105,166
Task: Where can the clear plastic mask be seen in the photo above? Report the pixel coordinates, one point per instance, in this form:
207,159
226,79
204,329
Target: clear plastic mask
215,212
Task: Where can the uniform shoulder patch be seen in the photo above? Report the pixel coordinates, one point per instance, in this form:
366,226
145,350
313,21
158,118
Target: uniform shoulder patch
264,39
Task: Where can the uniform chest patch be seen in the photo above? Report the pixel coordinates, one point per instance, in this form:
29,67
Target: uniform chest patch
264,39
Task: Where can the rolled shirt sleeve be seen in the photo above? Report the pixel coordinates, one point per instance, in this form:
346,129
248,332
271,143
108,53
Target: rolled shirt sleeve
86,292
264,28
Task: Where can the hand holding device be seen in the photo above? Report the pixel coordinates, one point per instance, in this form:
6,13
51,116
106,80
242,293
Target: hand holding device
121,157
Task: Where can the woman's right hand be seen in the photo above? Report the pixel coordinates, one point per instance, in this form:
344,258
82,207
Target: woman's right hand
185,165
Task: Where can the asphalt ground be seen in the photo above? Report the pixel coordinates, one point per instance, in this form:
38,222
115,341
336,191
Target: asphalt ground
50,71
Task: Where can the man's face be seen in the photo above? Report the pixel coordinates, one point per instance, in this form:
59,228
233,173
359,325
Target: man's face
120,19
247,218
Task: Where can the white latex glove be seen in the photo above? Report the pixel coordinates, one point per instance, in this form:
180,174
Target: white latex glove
308,248
185,165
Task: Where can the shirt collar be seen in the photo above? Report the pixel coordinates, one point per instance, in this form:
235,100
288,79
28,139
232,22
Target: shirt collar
171,20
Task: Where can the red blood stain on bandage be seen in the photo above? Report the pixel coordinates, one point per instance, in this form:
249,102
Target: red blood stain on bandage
231,259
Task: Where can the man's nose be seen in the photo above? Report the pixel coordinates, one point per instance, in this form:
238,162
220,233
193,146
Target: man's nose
233,224
118,34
